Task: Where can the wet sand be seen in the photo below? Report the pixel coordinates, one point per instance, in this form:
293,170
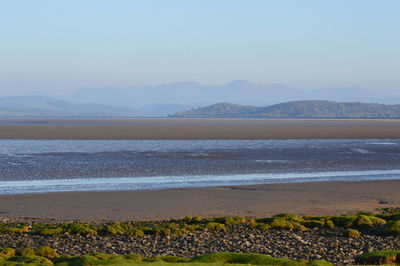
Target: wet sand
319,198
200,129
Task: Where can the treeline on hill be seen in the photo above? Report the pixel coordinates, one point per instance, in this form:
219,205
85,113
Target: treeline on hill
297,109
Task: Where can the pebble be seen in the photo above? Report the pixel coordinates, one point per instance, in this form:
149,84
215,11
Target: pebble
326,244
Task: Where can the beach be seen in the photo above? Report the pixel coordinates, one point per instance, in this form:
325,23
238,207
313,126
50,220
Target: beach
261,200
317,198
156,171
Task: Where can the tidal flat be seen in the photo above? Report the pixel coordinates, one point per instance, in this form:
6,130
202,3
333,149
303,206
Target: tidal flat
76,185
199,129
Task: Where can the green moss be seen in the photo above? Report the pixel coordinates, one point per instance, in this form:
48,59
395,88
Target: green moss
196,219
193,227
111,259
174,259
237,258
187,219
343,220
17,230
329,224
286,224
351,233
50,231
242,220
364,222
379,257
114,229
253,225
320,263
314,223
366,213
80,229
45,251
135,232
390,217
163,231
212,226
392,228
99,259
223,220
36,260
179,231
6,253
26,252
289,217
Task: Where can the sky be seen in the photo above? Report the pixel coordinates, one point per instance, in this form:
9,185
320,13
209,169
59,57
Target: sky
57,47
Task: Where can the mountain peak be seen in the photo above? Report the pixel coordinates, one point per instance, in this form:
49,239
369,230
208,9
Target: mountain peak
241,83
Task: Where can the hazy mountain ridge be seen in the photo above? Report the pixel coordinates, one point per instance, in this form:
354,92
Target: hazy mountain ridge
296,109
37,106
239,92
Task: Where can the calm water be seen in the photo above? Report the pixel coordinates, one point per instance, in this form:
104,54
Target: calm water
28,166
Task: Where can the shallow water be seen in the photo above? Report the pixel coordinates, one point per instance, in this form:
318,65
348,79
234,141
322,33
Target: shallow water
28,166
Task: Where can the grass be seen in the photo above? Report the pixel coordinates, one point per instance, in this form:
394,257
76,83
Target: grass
128,259
379,258
252,259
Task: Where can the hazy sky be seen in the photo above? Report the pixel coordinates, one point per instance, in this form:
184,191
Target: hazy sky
59,46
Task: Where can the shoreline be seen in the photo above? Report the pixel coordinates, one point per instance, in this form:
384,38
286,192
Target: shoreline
159,183
256,201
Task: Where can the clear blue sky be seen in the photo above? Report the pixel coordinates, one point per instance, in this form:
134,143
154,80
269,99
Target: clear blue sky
59,46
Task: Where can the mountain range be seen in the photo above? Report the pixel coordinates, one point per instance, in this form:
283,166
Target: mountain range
31,106
165,99
296,109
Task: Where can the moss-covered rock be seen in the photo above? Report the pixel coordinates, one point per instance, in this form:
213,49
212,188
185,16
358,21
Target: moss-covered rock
6,253
80,229
27,252
212,226
50,231
35,260
364,222
392,228
379,258
45,251
351,233
250,259
114,229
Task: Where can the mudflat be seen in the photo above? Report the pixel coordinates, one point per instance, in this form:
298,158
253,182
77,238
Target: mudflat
318,198
198,129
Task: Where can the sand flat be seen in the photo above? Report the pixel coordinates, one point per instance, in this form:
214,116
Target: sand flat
318,198
201,129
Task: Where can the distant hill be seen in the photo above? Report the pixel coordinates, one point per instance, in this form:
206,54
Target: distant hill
167,99
296,109
35,106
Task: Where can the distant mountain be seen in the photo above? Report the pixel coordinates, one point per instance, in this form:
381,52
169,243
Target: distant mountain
161,110
136,97
347,94
296,109
193,94
36,106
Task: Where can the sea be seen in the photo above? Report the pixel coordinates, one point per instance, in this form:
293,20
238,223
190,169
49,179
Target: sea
40,166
